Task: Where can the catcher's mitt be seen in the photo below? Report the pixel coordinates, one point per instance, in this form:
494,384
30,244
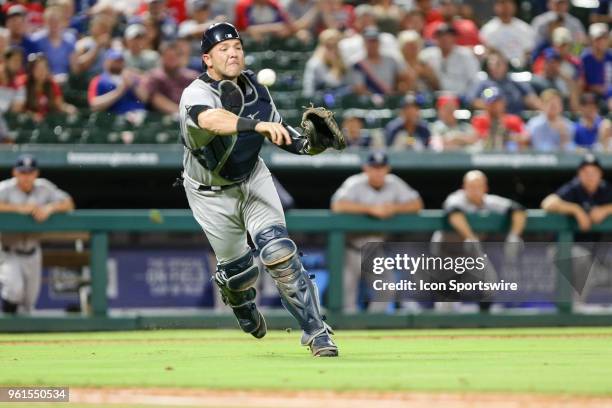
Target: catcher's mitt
321,130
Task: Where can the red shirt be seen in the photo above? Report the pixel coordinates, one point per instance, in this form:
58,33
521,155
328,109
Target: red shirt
43,104
482,124
467,32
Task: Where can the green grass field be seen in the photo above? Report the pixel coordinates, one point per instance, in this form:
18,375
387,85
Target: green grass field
576,361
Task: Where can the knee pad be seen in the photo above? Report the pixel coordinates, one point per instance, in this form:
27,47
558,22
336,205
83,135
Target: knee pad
268,234
238,275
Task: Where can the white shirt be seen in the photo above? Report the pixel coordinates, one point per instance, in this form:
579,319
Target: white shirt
512,40
457,72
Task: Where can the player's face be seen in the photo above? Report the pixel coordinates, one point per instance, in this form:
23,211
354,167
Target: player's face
590,178
226,59
376,175
475,189
25,180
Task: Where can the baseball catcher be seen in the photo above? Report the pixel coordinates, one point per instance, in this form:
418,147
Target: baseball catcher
225,116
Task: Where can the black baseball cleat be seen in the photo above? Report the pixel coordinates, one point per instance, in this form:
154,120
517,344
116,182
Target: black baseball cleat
320,343
250,320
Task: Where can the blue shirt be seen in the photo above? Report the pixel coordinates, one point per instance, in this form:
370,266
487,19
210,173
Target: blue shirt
105,83
396,129
59,57
597,72
584,136
546,139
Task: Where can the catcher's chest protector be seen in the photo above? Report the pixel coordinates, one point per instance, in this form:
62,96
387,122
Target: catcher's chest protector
245,146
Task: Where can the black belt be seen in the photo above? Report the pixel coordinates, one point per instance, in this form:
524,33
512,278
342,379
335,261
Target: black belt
203,187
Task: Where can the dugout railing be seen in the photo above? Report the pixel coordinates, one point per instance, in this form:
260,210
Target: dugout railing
100,223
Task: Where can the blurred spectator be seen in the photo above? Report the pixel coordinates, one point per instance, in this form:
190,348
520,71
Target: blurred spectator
12,97
160,16
413,20
136,55
79,22
336,14
355,133
456,67
597,60
14,66
478,10
430,13
587,198
420,76
558,10
299,8
21,270
550,131
325,69
518,95
571,65
448,133
201,17
497,129
590,128
553,78
43,94
183,48
15,22
408,131
90,50
376,73
33,12
353,48
116,90
166,83
57,43
603,13
154,36
260,18
508,35
388,15
375,193
466,31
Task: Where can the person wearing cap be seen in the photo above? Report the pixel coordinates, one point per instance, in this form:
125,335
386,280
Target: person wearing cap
136,55
420,76
356,135
448,133
552,77
597,60
550,131
512,37
591,130
15,23
376,74
456,67
408,131
556,9
587,197
562,42
466,31
90,51
519,96
498,129
377,193
57,43
165,84
117,89
28,194
225,116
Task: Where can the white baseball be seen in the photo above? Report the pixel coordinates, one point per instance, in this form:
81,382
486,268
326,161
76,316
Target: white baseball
266,77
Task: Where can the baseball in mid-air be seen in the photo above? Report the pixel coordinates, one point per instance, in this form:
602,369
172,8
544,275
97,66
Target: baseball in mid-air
266,77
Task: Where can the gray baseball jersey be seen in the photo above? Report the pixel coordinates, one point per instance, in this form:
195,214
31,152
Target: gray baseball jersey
458,201
21,266
357,189
210,159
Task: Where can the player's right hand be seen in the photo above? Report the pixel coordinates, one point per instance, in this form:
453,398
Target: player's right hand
276,132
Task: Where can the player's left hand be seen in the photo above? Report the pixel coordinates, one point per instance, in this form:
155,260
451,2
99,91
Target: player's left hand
598,215
276,132
41,214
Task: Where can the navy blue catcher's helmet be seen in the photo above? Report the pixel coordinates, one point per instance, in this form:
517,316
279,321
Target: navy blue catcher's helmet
217,33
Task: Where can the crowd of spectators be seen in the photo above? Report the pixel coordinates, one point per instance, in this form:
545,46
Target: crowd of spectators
495,80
